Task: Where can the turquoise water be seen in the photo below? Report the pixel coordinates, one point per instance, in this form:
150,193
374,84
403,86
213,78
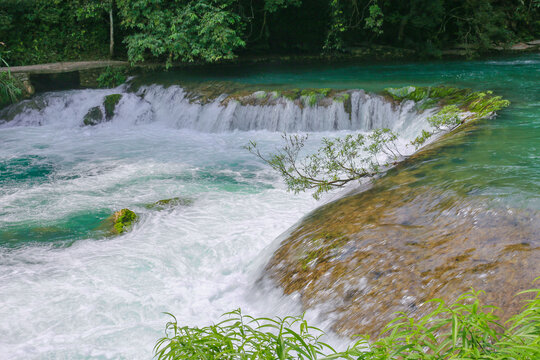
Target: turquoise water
499,158
69,291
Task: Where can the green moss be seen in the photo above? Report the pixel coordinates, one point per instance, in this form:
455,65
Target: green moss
454,105
169,203
420,93
110,103
260,95
312,96
479,103
123,220
292,94
342,97
93,117
324,245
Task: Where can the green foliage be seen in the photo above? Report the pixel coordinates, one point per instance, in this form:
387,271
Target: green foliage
10,89
374,21
111,77
39,31
455,106
205,30
466,329
334,38
338,162
275,5
447,117
314,95
89,9
421,139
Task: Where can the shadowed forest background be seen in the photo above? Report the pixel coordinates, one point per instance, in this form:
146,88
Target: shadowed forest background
38,31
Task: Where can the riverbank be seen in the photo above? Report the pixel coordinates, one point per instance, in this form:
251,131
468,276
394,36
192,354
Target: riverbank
361,54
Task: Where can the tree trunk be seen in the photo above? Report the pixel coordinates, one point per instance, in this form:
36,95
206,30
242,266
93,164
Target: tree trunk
402,24
111,44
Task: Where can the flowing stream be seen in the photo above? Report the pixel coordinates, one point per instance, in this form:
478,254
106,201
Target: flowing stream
69,292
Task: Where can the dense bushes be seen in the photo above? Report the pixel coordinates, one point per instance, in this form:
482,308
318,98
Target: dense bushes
209,30
463,330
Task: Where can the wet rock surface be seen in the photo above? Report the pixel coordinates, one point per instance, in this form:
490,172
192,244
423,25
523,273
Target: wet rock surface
110,103
167,204
402,242
93,117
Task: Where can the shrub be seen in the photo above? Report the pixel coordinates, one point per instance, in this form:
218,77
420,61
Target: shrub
111,77
463,330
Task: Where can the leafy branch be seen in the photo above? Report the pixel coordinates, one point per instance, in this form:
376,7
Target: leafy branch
338,162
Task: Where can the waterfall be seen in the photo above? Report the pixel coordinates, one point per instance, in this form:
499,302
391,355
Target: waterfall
179,108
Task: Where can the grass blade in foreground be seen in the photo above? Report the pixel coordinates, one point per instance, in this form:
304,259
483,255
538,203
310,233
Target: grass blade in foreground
463,330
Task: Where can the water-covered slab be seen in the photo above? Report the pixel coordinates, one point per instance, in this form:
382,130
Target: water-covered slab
403,242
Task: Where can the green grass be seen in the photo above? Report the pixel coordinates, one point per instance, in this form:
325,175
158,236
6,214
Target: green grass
465,329
10,89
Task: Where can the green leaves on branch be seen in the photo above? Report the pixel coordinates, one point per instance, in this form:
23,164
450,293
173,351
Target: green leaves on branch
338,162
206,30
455,106
447,117
275,5
466,329
111,77
374,21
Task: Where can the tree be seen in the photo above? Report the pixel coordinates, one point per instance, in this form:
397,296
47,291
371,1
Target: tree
91,9
338,162
207,30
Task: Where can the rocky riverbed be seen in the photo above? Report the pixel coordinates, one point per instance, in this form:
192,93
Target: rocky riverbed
404,241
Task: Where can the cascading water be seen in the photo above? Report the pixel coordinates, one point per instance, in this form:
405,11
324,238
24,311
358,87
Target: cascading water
176,107
68,292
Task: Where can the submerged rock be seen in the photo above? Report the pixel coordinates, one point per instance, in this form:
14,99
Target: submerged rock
36,104
110,103
402,242
123,219
93,117
119,222
169,203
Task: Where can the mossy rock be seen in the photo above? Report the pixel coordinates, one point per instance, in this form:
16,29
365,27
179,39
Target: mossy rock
93,117
119,222
110,104
169,203
35,104
479,104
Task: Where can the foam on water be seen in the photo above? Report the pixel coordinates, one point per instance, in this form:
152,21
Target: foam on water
174,107
104,298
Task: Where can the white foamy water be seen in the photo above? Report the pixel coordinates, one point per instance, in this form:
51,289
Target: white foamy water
173,107
104,298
